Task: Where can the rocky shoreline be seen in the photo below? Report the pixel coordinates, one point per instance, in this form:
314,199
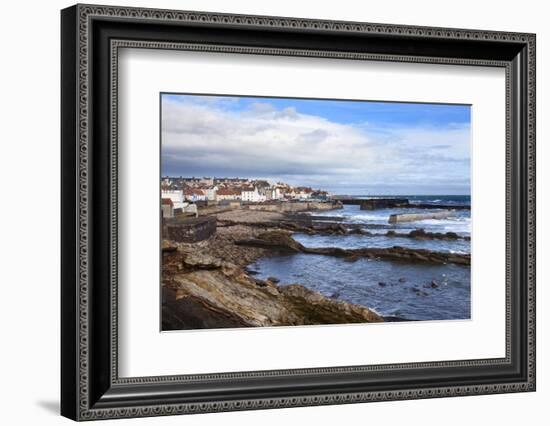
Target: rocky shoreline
206,285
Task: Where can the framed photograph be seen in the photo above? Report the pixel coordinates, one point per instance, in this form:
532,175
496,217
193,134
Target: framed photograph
263,212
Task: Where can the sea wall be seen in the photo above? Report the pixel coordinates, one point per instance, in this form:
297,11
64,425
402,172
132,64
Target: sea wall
288,207
383,203
411,217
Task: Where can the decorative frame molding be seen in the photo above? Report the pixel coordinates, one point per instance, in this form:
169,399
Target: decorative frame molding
91,388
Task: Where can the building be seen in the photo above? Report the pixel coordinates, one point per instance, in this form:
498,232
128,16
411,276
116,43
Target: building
274,193
167,207
300,193
179,205
210,193
252,195
261,184
228,194
230,181
207,181
194,195
304,193
176,196
320,195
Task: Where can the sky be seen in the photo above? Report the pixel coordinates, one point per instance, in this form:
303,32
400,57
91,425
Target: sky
345,147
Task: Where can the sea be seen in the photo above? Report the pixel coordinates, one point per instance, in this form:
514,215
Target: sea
398,291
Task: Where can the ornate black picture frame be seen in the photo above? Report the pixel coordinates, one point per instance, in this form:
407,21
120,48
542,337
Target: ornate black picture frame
91,36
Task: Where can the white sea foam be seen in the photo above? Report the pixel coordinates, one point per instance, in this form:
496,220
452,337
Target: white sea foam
369,217
459,224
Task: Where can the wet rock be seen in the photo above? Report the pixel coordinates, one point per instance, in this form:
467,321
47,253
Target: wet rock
460,260
402,280
273,280
421,257
335,295
417,233
351,259
421,234
168,246
452,235
282,241
382,284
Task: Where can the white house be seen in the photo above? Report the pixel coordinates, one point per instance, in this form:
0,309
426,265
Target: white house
210,193
176,196
274,193
167,207
304,193
300,193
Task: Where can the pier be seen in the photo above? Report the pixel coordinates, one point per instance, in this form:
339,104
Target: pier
411,217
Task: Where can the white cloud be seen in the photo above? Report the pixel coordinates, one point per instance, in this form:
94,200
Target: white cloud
261,141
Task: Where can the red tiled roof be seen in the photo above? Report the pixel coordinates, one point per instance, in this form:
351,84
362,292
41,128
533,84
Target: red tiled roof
193,192
167,201
228,191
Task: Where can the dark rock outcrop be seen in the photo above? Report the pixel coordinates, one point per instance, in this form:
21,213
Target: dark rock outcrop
276,240
283,242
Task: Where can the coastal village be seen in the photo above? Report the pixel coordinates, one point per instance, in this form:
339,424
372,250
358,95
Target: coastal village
188,195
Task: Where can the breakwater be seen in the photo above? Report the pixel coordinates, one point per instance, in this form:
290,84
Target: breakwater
392,203
412,217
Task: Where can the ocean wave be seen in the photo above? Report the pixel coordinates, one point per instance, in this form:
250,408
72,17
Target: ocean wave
367,217
460,224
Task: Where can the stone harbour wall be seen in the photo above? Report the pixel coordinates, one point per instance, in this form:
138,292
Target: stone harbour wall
189,230
295,207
